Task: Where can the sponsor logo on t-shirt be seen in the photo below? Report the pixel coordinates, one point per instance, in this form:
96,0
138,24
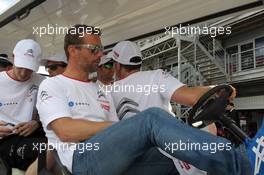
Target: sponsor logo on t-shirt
105,104
44,96
2,104
100,94
105,107
72,104
126,105
32,90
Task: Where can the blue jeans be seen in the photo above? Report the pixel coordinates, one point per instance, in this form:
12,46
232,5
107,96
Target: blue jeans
122,145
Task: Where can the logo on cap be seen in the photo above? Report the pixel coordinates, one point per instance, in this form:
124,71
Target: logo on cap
29,53
116,54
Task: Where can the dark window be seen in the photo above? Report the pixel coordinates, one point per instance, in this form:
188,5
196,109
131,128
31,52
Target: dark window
247,56
259,51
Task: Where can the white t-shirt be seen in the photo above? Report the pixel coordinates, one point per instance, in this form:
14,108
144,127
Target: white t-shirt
167,85
17,98
61,96
107,101
147,88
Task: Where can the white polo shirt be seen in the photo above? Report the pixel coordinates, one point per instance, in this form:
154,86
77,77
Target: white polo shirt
61,96
18,98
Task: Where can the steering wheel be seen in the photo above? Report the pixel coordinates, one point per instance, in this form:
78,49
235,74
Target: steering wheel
210,107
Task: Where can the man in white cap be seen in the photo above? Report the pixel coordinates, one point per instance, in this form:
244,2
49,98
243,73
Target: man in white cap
55,64
19,126
105,71
154,88
5,63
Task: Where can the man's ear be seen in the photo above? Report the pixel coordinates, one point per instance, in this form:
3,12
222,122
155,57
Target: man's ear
72,50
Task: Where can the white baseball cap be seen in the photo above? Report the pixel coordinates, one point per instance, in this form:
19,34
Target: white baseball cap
58,58
124,51
106,58
27,54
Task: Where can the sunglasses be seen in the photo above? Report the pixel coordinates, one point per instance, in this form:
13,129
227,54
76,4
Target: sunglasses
92,47
9,124
54,67
108,65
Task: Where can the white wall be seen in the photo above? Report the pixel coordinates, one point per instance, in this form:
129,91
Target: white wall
246,103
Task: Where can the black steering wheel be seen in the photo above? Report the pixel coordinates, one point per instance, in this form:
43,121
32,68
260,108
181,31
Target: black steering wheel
210,107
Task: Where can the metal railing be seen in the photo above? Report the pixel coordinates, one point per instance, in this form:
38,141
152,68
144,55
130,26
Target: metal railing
214,48
151,40
246,60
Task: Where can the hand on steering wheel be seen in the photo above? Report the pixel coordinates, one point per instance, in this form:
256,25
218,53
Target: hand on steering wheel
211,106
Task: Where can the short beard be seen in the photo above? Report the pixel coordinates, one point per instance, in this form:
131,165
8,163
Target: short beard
87,68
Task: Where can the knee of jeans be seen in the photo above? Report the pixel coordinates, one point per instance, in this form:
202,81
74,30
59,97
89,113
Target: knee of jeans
155,113
153,110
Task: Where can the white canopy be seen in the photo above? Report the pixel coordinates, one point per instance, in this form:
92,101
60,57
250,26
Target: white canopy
119,19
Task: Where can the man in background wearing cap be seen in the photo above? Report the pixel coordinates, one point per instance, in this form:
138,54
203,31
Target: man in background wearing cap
5,63
105,71
19,127
161,86
55,65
